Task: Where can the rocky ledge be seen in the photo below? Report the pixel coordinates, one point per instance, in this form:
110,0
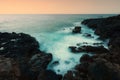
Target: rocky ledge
88,49
21,59
106,64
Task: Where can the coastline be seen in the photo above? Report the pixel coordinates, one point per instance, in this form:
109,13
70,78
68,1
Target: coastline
106,65
24,52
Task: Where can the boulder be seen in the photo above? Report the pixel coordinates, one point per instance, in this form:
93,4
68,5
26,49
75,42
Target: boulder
92,49
40,61
77,29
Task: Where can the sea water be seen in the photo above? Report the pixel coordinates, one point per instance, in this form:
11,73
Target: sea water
54,34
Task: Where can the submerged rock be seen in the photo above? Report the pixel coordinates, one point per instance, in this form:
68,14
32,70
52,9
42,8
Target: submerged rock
73,49
55,63
88,35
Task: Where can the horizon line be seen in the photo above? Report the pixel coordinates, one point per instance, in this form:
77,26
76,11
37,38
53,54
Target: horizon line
55,13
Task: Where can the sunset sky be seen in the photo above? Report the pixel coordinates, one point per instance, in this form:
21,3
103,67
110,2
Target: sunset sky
59,6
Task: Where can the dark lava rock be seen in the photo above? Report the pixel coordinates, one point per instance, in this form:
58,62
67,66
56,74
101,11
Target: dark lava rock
96,67
73,49
9,69
25,50
114,44
103,70
105,27
93,49
16,45
86,58
77,29
49,75
40,61
104,66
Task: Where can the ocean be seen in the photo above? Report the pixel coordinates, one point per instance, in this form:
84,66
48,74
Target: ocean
54,34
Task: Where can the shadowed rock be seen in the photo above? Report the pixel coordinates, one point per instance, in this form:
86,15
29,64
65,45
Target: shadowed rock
25,50
93,49
77,29
103,66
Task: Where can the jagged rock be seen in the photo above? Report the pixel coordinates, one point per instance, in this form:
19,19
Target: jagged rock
40,61
103,66
77,29
111,26
96,49
93,49
21,48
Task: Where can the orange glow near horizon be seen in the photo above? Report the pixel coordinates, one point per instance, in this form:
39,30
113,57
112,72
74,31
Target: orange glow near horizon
59,6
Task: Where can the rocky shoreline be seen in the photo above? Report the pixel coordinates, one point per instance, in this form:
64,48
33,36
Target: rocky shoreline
21,59
105,65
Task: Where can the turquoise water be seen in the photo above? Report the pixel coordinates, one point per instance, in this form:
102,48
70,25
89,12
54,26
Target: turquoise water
54,33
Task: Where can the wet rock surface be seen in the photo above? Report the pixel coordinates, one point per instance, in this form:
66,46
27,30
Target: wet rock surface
105,27
20,57
105,65
88,49
77,29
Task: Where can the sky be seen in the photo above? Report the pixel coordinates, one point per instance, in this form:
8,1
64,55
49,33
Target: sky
59,6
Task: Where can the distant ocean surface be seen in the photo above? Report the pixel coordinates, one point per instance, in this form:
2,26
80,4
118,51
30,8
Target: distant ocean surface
54,33
42,23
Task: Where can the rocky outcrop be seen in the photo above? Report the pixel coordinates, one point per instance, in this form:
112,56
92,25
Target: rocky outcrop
22,58
9,69
103,66
16,45
105,27
77,29
97,67
88,49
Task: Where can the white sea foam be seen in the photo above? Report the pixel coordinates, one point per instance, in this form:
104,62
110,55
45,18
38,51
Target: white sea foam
58,44
43,28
